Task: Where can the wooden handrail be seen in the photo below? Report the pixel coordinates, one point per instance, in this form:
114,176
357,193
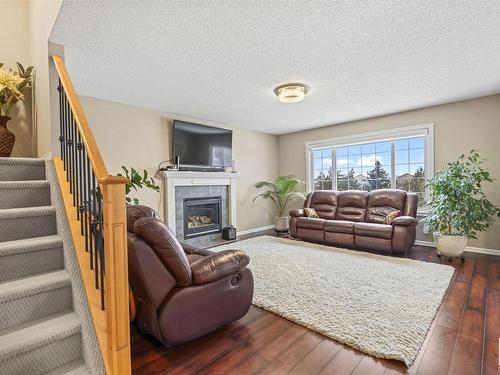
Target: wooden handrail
101,211
81,120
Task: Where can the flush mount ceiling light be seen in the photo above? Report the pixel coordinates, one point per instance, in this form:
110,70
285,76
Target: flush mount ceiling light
291,92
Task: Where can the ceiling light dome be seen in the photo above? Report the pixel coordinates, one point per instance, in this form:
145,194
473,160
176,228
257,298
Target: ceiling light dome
291,92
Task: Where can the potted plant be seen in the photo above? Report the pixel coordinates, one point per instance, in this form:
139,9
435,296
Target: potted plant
281,192
11,86
137,181
459,206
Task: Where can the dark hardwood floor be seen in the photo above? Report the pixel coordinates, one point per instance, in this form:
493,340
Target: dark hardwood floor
463,339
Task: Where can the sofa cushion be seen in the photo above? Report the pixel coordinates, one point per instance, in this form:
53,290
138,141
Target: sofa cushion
310,223
324,203
339,226
382,202
352,205
373,230
166,246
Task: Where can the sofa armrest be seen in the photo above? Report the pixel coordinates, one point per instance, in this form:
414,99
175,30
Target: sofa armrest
188,249
297,213
218,266
407,221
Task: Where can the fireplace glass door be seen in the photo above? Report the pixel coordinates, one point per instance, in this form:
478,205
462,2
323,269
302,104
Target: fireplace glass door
202,216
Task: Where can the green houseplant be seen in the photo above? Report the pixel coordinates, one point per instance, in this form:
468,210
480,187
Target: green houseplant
459,206
11,86
136,182
280,192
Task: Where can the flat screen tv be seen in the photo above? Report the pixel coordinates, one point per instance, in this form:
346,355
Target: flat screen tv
202,146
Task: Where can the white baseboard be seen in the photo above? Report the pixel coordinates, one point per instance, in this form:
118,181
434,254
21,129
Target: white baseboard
253,230
424,243
469,249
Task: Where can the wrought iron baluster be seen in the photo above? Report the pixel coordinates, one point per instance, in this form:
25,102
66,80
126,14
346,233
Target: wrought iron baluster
85,200
61,121
79,147
89,213
94,230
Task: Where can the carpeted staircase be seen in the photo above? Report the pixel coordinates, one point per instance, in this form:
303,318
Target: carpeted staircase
45,322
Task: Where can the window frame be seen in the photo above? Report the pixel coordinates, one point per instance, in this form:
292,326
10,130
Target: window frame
389,135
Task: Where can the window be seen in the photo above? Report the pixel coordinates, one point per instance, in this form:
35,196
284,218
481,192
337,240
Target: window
399,159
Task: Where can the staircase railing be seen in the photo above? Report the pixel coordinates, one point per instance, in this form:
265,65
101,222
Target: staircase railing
95,205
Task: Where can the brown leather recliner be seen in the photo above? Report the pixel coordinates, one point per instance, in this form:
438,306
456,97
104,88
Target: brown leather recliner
182,293
354,219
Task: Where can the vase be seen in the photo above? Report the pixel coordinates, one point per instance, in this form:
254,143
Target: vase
281,224
7,138
449,245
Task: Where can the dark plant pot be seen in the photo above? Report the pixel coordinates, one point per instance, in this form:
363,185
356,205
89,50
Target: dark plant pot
7,138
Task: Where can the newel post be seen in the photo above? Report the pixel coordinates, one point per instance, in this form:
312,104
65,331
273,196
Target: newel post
116,273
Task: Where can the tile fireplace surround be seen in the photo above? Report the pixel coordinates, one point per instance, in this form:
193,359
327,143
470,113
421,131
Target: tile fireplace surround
179,185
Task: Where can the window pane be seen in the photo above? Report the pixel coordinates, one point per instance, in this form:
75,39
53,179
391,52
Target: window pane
342,184
383,147
355,171
355,161
327,185
402,183
341,172
417,185
402,144
317,153
402,169
317,163
421,199
417,155
383,157
402,157
368,148
342,162
417,142
342,151
327,153
355,150
417,170
368,160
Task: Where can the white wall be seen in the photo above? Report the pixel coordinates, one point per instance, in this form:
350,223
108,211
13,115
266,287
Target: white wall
458,128
142,138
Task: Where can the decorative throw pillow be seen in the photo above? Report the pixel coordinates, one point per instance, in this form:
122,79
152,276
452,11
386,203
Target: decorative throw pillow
311,212
391,216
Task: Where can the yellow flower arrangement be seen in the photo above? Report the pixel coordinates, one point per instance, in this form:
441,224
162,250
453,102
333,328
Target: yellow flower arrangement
11,85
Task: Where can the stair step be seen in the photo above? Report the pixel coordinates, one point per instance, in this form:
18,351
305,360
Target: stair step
42,347
32,256
18,194
33,298
73,368
22,169
28,222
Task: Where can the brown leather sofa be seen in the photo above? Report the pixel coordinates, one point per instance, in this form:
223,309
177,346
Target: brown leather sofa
354,219
182,293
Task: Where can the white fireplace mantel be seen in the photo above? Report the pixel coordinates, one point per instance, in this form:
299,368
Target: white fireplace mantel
171,179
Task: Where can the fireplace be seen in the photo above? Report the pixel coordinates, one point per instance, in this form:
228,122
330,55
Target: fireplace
202,216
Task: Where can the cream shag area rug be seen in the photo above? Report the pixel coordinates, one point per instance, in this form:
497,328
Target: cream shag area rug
377,304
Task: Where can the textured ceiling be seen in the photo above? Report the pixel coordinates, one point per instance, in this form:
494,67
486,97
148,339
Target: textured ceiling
220,60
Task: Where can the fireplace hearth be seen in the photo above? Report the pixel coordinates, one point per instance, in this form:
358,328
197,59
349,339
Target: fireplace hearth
202,216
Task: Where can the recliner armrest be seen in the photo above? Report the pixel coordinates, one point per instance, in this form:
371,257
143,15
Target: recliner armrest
297,213
407,221
218,266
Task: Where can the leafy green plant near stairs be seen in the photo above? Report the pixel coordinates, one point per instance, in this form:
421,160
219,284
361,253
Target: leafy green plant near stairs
137,181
